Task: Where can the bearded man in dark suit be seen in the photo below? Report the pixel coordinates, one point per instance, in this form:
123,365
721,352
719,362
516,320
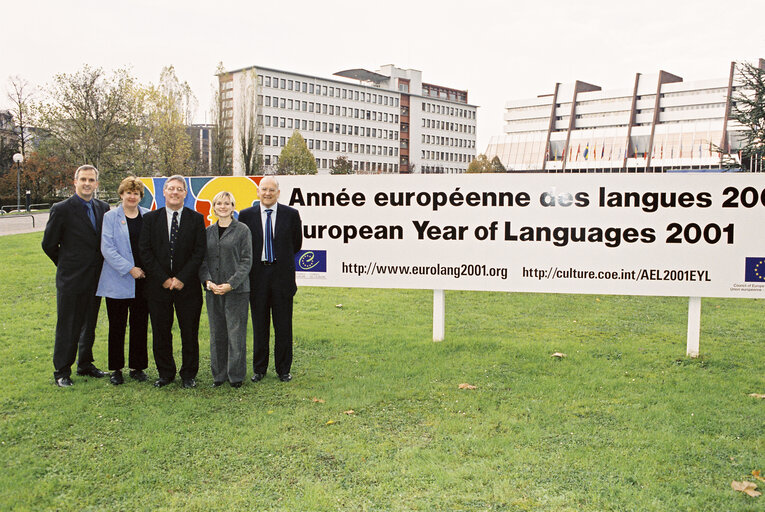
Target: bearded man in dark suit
72,240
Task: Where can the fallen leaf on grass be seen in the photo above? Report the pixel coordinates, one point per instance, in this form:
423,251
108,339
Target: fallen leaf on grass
745,487
756,474
339,306
349,412
330,422
559,355
317,400
465,385
757,395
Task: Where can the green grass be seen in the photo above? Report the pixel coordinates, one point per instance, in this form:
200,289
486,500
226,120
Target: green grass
625,422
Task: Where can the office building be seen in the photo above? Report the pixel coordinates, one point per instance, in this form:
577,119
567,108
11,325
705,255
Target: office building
385,121
657,123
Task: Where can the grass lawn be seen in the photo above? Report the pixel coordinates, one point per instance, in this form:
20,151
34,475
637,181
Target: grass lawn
625,422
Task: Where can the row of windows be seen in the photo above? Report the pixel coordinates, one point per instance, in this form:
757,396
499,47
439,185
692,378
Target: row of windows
330,145
340,129
448,141
324,163
448,110
444,125
324,108
324,90
437,169
446,156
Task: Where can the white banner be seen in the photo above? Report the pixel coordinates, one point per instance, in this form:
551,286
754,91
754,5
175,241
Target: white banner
693,235
655,234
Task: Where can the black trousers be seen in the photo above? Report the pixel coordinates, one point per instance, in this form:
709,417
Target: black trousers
268,299
187,305
77,315
119,310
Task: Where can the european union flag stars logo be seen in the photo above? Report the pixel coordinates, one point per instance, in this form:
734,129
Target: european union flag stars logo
316,261
755,270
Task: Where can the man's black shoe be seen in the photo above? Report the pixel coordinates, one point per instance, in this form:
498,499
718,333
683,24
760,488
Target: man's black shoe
116,378
236,384
162,382
257,377
90,372
64,382
189,383
286,377
217,384
138,375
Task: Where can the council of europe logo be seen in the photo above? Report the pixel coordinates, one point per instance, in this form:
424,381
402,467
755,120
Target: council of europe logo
755,270
311,261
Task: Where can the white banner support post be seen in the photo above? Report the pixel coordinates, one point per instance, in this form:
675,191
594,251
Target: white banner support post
694,326
439,315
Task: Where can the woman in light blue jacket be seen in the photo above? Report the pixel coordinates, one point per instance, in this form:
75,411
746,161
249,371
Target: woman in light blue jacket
122,282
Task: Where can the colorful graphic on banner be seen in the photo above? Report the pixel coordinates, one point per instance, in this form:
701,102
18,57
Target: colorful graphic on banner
201,191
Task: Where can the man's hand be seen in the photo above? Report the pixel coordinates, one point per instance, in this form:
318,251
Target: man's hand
168,284
177,284
137,273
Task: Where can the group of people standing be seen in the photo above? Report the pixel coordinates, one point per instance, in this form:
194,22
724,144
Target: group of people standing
153,265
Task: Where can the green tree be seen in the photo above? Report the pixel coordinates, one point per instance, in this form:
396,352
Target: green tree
91,117
295,157
479,164
496,165
342,165
748,109
164,145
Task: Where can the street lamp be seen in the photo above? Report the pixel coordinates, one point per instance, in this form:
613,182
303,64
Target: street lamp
18,158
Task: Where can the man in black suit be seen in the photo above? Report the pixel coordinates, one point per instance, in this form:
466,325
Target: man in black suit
277,235
172,248
72,240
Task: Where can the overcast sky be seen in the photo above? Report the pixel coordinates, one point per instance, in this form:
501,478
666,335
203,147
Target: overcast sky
497,50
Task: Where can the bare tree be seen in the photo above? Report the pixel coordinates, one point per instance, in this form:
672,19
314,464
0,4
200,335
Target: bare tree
249,129
221,149
21,95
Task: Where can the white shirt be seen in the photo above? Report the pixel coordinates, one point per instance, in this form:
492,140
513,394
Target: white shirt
169,213
263,217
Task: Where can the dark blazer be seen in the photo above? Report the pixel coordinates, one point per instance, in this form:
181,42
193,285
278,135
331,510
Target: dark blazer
288,239
190,249
74,246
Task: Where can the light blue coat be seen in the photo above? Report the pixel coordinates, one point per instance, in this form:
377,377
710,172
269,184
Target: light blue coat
116,281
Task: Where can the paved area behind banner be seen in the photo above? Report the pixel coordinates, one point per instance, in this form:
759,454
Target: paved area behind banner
12,224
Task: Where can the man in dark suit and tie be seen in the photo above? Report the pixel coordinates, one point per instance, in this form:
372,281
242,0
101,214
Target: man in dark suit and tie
172,248
277,235
72,240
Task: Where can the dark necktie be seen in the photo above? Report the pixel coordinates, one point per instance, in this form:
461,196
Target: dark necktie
173,234
269,241
91,214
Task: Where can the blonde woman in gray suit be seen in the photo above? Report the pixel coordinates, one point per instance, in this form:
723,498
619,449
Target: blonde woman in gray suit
225,274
